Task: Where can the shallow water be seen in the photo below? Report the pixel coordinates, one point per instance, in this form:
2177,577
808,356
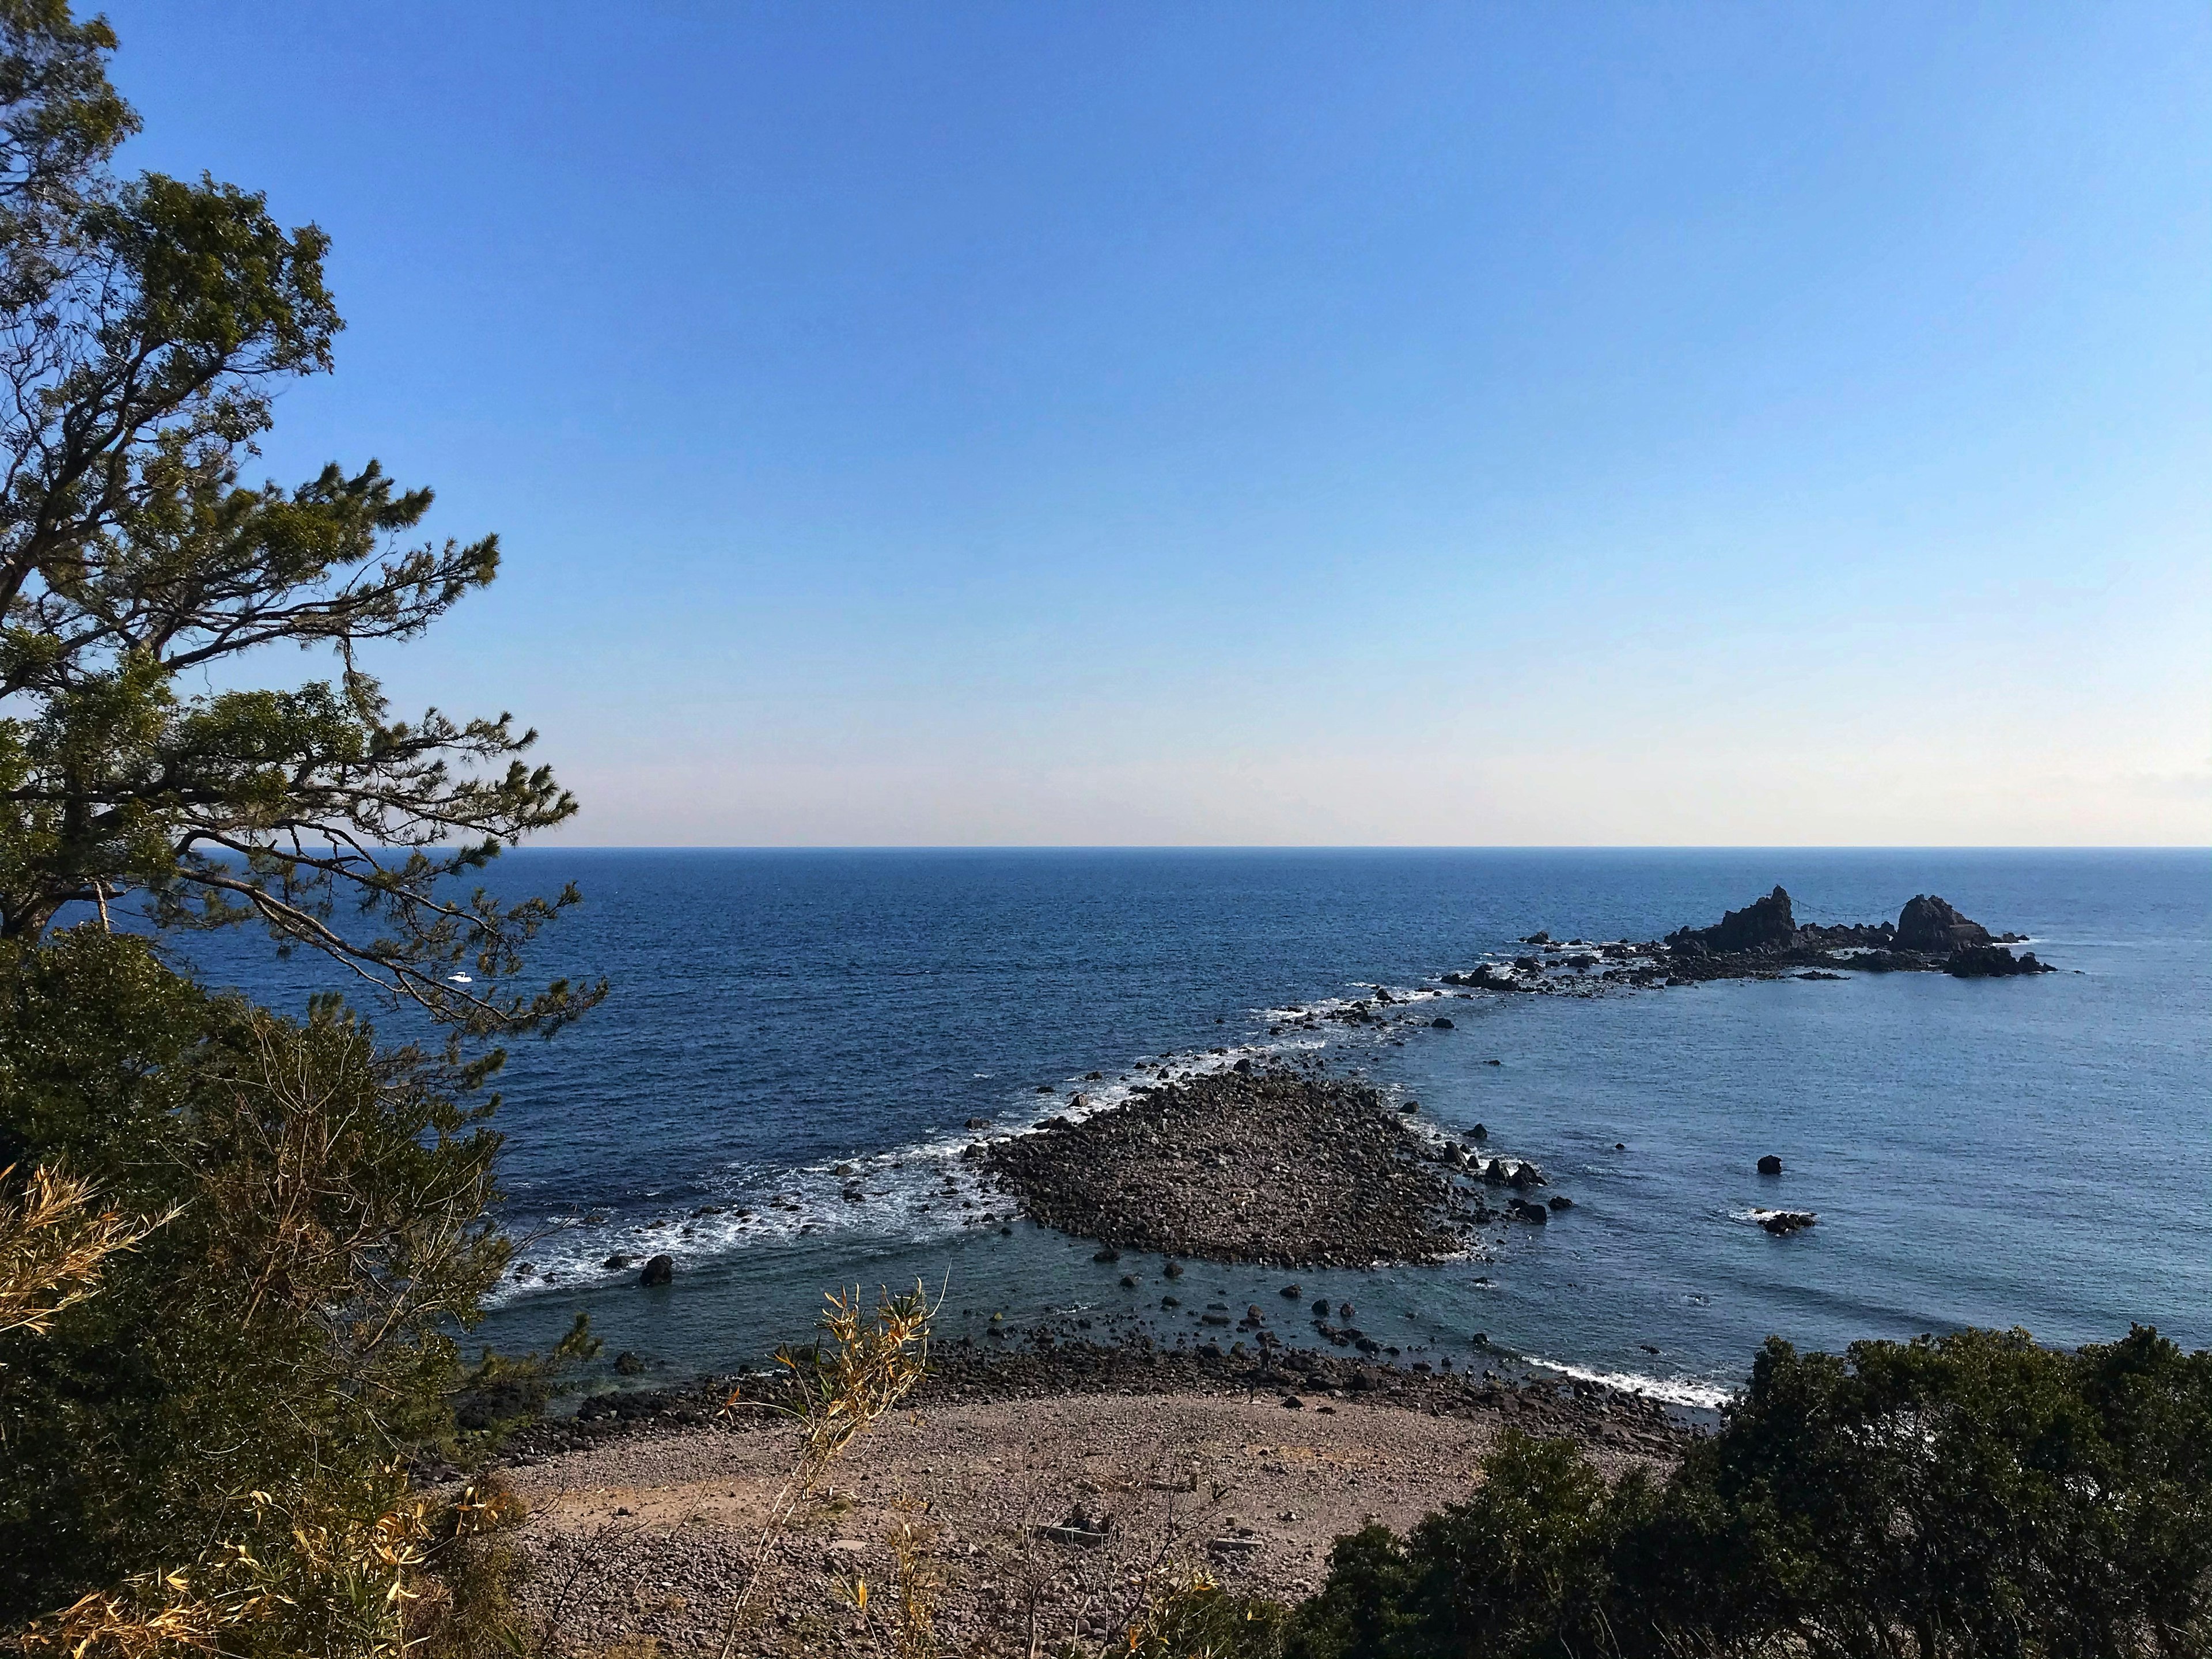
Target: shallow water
2029,1152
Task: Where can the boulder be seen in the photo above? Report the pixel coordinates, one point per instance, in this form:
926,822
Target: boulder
1929,925
627,1363
1440,1024
661,1270
1770,1165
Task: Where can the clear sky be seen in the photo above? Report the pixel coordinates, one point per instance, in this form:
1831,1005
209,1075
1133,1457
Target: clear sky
1282,423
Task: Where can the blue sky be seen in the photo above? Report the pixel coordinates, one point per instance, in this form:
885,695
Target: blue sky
1274,423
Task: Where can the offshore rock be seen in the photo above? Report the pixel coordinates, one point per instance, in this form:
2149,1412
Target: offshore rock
1929,924
1766,940
1993,961
1763,925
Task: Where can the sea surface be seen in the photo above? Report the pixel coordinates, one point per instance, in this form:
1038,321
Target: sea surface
2032,1152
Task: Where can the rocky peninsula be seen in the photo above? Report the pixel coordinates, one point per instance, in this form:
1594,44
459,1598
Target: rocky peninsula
1252,1165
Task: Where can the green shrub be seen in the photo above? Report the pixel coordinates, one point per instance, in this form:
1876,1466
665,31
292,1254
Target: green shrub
289,1333
1520,1570
1969,1495
1974,1493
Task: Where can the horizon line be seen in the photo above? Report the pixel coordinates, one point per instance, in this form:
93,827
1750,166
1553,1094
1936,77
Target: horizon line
1364,846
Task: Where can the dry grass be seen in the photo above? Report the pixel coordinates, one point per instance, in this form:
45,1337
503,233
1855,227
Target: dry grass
52,1244
355,1582
853,1376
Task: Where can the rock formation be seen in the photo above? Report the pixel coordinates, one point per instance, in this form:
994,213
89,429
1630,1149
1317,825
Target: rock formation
1929,924
1764,924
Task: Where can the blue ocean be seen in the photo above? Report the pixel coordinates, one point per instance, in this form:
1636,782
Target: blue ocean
776,1090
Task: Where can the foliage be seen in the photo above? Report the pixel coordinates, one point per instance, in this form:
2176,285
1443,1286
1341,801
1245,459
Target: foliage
503,1391
1520,1569
287,1332
1188,1614
1968,1495
209,1453
144,327
1976,1493
296,1583
52,1243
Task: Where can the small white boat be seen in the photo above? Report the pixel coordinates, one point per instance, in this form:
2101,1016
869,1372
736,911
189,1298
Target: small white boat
458,979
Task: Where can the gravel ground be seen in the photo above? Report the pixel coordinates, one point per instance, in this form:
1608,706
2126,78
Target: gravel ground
1271,1165
645,1529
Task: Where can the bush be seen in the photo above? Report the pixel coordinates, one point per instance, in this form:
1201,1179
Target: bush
1521,1570
1974,1492
1967,1495
288,1333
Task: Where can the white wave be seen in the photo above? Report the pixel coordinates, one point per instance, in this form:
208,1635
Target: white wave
1701,1393
925,1190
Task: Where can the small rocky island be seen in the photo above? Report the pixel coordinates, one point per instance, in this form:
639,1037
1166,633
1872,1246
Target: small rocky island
1258,1165
1766,940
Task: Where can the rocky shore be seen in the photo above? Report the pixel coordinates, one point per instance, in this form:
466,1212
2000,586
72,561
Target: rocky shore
1048,1367
1039,1489
1255,1165
1762,940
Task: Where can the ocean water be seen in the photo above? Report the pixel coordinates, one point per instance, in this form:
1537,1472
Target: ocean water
2030,1151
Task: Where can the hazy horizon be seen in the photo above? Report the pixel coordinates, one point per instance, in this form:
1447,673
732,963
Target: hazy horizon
1432,425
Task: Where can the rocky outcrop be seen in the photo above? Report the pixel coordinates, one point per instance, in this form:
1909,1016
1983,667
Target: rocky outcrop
1930,926
1764,924
1762,940
1273,1166
1993,961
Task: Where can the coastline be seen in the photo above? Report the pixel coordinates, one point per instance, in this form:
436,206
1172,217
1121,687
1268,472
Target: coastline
1040,1479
